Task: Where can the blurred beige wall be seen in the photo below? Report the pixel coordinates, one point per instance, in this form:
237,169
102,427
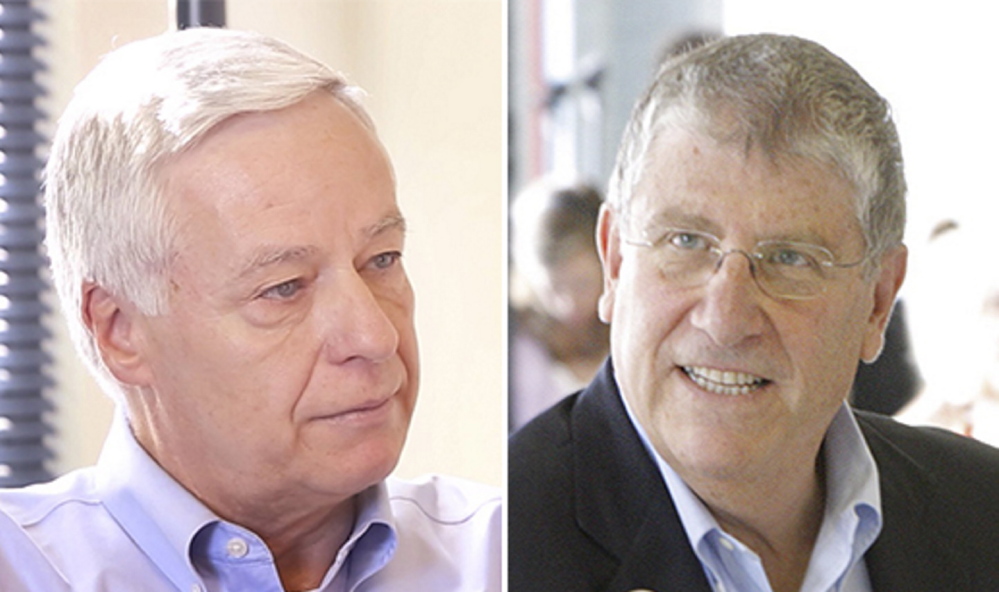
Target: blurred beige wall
433,73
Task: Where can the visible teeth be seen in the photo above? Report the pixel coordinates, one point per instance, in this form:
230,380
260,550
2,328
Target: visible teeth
723,382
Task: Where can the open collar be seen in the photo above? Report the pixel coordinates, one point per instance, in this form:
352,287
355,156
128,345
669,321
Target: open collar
622,503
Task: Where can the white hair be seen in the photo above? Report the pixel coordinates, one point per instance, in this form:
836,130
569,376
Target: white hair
107,218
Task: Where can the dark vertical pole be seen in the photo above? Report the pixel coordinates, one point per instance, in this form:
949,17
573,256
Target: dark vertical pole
200,13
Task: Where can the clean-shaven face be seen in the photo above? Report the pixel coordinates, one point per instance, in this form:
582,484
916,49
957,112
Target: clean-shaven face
288,360
728,381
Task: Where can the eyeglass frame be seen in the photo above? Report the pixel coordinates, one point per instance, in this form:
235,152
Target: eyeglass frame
754,256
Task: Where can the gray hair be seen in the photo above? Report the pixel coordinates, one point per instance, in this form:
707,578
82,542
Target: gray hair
107,218
788,97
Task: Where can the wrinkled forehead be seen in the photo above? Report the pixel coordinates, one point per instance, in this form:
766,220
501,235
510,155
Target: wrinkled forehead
681,137
698,182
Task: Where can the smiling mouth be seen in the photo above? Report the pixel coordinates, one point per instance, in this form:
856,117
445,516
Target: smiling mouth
724,382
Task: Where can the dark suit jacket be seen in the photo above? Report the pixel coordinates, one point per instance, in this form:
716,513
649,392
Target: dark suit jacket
588,509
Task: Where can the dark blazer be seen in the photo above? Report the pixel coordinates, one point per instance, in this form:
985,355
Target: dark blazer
588,509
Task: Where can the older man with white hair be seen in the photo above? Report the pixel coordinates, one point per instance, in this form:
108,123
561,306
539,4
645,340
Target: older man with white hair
226,243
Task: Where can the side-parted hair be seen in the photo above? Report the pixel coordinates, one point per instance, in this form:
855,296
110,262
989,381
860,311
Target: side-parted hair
107,220
787,97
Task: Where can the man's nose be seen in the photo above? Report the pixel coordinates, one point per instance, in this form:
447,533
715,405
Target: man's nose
729,310
355,322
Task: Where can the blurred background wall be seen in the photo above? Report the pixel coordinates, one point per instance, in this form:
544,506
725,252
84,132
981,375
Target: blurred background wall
433,73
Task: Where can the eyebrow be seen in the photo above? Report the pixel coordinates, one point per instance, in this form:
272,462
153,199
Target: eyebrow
388,223
677,218
269,256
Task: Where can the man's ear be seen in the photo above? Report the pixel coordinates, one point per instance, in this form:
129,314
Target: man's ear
115,328
609,249
887,284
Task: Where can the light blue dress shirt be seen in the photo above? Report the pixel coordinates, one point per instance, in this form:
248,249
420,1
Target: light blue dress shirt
125,524
851,523
23,568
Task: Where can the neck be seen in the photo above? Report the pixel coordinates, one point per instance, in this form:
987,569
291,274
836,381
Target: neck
304,545
303,531
304,551
779,519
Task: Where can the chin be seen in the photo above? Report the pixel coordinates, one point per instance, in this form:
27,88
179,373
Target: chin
348,476
379,456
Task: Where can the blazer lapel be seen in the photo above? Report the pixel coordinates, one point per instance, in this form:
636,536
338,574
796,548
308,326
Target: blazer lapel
622,501
909,554
623,505
660,560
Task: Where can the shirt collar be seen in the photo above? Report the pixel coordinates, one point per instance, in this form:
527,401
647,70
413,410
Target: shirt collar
853,504
853,496
374,539
154,509
851,473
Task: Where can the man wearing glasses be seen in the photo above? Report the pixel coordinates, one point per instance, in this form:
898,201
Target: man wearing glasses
752,251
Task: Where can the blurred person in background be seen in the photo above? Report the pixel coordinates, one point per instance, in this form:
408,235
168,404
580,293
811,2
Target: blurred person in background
557,341
958,352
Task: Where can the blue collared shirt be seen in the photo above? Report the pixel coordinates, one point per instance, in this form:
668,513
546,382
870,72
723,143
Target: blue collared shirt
851,523
125,524
23,567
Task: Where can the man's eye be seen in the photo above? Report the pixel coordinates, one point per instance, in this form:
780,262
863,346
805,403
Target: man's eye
386,260
283,291
789,257
687,241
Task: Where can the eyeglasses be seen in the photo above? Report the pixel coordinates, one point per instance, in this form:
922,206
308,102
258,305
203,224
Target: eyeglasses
782,269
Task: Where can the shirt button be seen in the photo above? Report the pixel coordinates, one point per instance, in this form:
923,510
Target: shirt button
236,548
727,544
197,588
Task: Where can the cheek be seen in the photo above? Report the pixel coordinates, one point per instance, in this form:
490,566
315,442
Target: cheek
647,312
645,319
254,372
219,383
825,347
